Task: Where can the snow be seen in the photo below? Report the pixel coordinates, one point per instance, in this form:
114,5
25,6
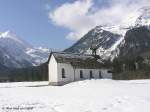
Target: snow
117,29
108,53
43,49
11,35
83,96
39,55
116,44
144,16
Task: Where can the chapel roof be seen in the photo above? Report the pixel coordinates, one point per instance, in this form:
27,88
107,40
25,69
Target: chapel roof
78,60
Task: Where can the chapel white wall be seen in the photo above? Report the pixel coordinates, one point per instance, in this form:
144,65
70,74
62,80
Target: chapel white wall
95,73
69,73
105,74
86,74
52,70
74,74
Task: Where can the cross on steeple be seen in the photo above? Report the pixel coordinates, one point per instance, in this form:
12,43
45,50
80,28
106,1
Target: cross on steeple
94,48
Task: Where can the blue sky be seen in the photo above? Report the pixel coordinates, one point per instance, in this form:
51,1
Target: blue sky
29,20
59,23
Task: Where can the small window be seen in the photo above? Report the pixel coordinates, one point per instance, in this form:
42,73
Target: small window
91,74
63,73
81,74
109,71
100,74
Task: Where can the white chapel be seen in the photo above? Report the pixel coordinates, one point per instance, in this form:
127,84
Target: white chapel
64,68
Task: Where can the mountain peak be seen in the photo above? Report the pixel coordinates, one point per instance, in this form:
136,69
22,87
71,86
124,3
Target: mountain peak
145,9
9,34
105,42
144,16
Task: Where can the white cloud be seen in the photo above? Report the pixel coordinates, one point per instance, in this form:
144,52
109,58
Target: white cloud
82,15
73,16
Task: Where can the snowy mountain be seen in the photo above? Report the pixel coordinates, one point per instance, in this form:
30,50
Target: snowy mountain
108,38
144,17
16,53
104,40
136,40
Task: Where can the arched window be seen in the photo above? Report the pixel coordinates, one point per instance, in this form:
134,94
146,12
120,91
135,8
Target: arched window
109,71
81,74
91,74
63,73
100,74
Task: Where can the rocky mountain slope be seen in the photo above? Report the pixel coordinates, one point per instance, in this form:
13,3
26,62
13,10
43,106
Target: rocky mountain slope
136,43
102,39
16,53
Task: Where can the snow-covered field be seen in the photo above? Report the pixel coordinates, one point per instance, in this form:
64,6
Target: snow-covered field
83,96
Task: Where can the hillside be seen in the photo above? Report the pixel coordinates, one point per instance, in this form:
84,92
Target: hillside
136,43
104,40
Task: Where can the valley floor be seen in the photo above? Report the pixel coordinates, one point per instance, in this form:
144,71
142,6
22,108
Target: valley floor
82,96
